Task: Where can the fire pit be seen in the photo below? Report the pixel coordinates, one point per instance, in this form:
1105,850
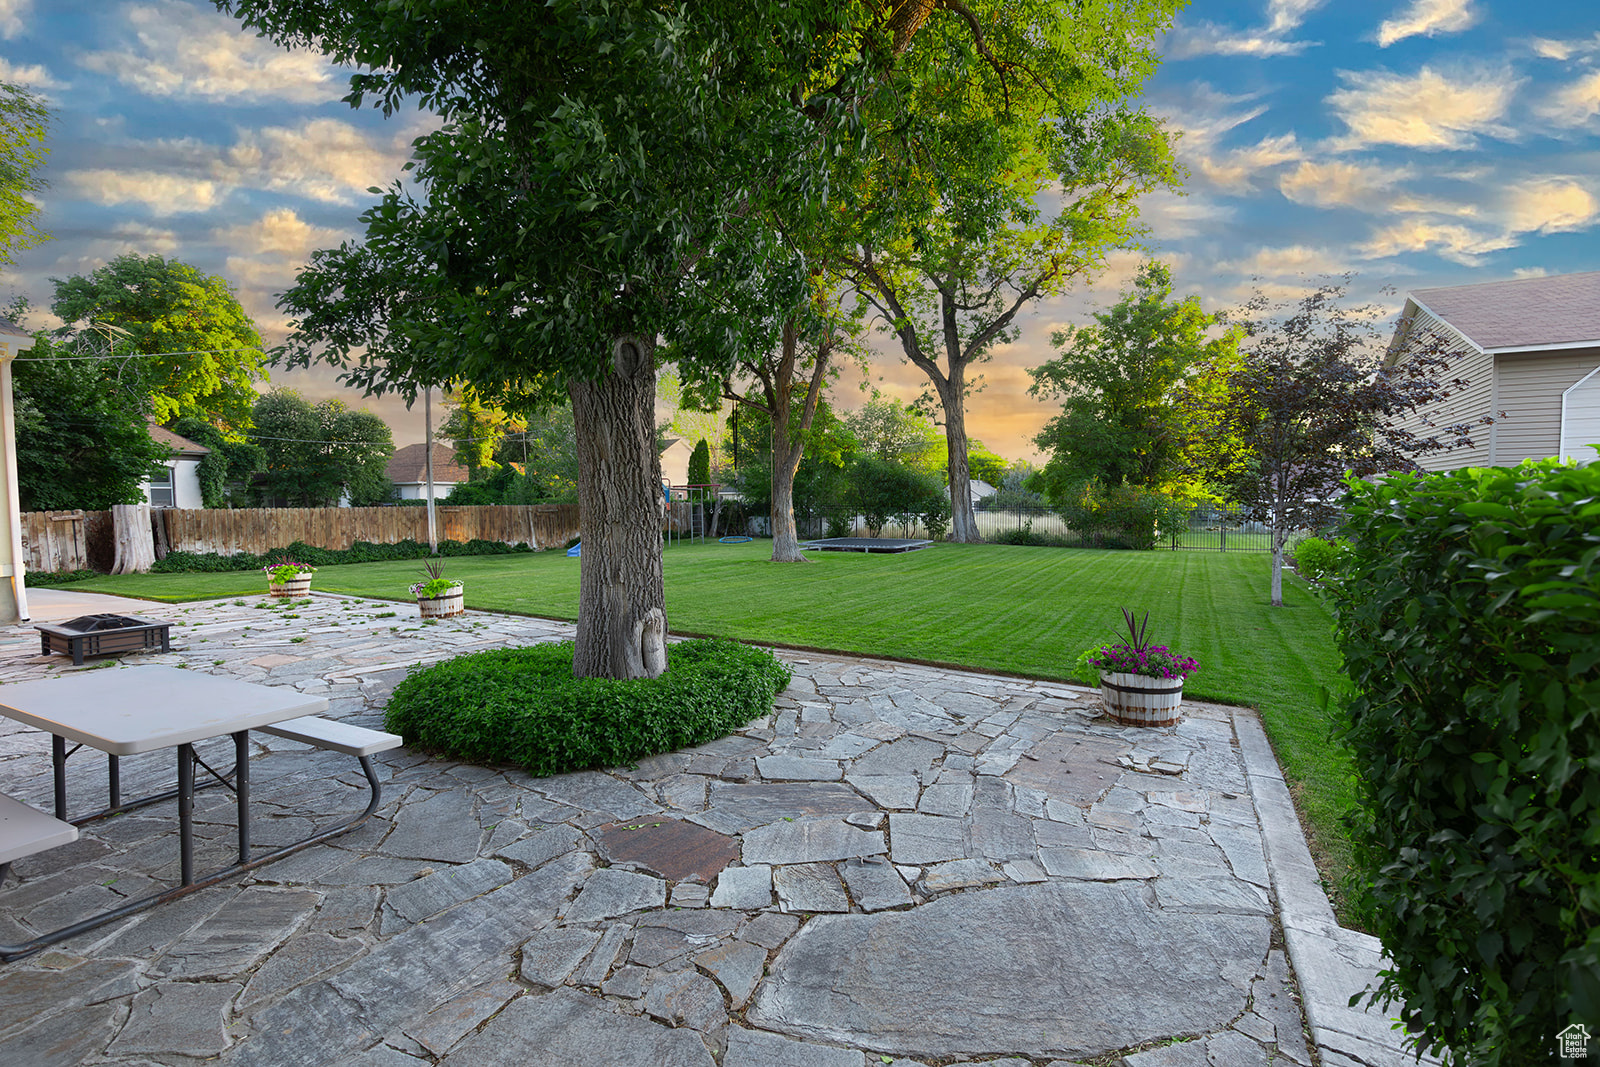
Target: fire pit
103,635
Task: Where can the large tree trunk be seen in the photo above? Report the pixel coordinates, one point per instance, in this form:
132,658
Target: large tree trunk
785,539
963,521
787,446
622,620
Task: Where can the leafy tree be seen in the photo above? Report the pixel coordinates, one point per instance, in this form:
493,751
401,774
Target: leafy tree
593,162
1314,402
316,455
82,439
210,352
23,122
1124,419
986,465
968,246
229,463
820,474
478,429
700,463
885,489
890,430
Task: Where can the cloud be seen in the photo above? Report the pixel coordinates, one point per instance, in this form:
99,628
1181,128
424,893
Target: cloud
1427,18
1339,184
32,76
161,194
1561,51
181,50
1236,170
1294,261
1550,205
12,13
1454,242
124,237
269,252
1429,110
1575,104
325,159
1209,39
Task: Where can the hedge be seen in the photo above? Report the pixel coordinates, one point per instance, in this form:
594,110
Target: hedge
300,552
523,706
1469,621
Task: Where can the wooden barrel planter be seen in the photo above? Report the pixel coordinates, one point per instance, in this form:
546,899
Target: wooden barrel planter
442,607
297,586
1135,700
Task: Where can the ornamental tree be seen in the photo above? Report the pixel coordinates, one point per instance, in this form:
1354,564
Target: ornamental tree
314,455
205,353
596,163
1313,403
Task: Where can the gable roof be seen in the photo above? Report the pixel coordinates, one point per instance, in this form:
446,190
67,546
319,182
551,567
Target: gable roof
12,329
181,445
1561,311
409,465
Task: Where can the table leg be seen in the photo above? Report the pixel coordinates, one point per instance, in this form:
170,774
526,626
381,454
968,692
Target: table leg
114,776
241,790
58,760
186,812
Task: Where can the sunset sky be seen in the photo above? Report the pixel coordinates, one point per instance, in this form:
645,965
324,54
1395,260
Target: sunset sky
1417,142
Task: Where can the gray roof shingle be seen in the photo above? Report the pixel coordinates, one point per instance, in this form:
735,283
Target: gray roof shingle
1562,309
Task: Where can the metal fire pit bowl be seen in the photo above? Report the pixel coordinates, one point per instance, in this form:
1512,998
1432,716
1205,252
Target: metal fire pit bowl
103,635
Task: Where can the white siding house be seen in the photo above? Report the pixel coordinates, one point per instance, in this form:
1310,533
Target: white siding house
1529,350
180,486
408,469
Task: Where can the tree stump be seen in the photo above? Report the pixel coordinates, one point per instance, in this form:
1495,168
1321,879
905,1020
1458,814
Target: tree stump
135,543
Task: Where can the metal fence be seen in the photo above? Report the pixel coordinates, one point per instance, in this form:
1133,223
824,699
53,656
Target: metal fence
1213,529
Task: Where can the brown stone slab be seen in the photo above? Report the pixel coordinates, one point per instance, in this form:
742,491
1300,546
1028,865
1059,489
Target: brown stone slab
1071,766
675,850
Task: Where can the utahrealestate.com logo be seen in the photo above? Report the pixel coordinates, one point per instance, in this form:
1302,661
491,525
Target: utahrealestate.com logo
1573,1042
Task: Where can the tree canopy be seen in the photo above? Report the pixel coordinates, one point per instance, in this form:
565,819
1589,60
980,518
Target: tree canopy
82,438
23,122
601,170
1124,417
210,352
314,455
1314,403
955,242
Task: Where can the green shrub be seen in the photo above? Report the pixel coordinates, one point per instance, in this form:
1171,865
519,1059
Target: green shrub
1121,516
48,578
1469,621
523,706
1317,560
359,552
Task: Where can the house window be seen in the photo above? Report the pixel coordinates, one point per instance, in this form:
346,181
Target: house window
161,492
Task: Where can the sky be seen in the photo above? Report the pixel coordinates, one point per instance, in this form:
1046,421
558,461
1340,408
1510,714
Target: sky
1418,143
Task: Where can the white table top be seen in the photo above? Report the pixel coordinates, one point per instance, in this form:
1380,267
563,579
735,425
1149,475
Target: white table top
126,710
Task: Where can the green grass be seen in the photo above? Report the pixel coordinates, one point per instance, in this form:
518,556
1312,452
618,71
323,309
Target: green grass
1014,609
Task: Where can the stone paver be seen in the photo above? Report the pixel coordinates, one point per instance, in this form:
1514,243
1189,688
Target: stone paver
866,876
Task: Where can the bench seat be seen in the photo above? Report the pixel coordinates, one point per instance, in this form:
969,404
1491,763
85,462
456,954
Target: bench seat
25,830
339,736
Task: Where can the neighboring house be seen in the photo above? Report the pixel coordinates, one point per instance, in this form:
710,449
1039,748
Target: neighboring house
1529,350
408,470
979,490
675,461
179,487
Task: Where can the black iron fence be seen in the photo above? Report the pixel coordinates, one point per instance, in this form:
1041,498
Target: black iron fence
1214,529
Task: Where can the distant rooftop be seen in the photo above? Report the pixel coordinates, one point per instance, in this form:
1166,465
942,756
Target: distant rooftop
409,465
1562,310
181,445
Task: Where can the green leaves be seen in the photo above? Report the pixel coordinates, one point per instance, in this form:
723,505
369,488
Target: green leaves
1469,621
523,706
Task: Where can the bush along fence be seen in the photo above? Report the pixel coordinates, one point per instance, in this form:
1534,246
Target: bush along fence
1216,529
1468,615
64,542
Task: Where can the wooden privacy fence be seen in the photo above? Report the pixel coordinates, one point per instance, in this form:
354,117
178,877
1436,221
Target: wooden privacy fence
64,541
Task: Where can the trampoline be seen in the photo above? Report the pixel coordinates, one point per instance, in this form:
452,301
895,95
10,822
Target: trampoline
866,544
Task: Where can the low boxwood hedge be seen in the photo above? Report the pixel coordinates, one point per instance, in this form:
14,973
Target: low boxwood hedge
523,706
360,552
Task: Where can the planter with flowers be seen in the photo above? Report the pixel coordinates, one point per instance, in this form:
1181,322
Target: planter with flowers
439,597
288,578
1141,683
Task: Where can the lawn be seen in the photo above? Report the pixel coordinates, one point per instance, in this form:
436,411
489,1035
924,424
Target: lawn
1014,609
